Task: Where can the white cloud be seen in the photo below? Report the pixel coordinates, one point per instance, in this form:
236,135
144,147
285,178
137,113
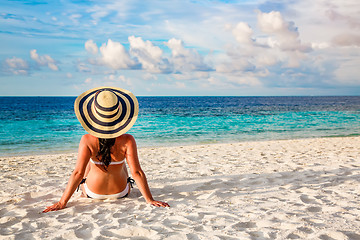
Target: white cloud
150,56
285,33
252,41
243,33
184,59
321,45
273,23
91,47
114,55
17,66
53,66
44,60
145,55
278,42
17,63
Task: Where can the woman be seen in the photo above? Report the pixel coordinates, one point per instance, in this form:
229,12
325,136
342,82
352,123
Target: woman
106,114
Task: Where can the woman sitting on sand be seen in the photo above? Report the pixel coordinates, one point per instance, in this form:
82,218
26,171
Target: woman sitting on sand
106,113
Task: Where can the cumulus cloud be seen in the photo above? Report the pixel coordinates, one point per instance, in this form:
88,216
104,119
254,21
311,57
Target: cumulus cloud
17,66
91,47
243,33
44,60
285,33
274,23
149,56
20,66
277,42
184,59
115,55
145,55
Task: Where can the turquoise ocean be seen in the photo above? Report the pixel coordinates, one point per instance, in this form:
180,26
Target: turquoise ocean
46,125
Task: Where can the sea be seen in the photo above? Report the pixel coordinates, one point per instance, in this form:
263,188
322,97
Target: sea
48,125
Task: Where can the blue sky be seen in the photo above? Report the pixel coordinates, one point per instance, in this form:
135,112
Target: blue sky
180,47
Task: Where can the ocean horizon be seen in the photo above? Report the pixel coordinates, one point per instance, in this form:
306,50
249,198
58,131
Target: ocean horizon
32,125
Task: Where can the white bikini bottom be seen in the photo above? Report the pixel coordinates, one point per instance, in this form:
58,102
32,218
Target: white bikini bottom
121,194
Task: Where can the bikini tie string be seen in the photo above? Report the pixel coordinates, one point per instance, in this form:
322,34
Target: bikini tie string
131,181
82,181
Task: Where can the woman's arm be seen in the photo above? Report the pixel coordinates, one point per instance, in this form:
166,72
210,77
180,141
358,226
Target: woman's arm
76,176
138,174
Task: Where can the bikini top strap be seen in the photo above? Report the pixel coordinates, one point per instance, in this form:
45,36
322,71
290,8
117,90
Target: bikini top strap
111,163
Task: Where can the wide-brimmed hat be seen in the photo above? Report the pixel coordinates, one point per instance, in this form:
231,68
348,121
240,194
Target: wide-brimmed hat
106,112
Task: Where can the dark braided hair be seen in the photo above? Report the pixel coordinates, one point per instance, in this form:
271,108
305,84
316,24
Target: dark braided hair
105,150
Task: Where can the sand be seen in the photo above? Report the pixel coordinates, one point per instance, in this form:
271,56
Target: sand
289,189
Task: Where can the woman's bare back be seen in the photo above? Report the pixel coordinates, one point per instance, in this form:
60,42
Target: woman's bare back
113,179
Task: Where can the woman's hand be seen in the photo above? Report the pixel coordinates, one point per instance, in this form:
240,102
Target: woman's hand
158,203
57,206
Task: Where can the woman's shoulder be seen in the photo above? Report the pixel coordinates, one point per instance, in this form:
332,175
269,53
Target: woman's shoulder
88,137
88,140
126,136
126,139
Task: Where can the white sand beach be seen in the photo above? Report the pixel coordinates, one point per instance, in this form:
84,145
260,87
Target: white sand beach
289,189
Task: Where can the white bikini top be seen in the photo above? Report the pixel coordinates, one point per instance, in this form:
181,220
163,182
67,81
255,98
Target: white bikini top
111,163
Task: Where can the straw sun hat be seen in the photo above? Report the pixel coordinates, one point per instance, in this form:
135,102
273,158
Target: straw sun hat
106,112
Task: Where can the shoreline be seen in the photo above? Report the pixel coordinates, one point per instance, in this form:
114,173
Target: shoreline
60,152
279,189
